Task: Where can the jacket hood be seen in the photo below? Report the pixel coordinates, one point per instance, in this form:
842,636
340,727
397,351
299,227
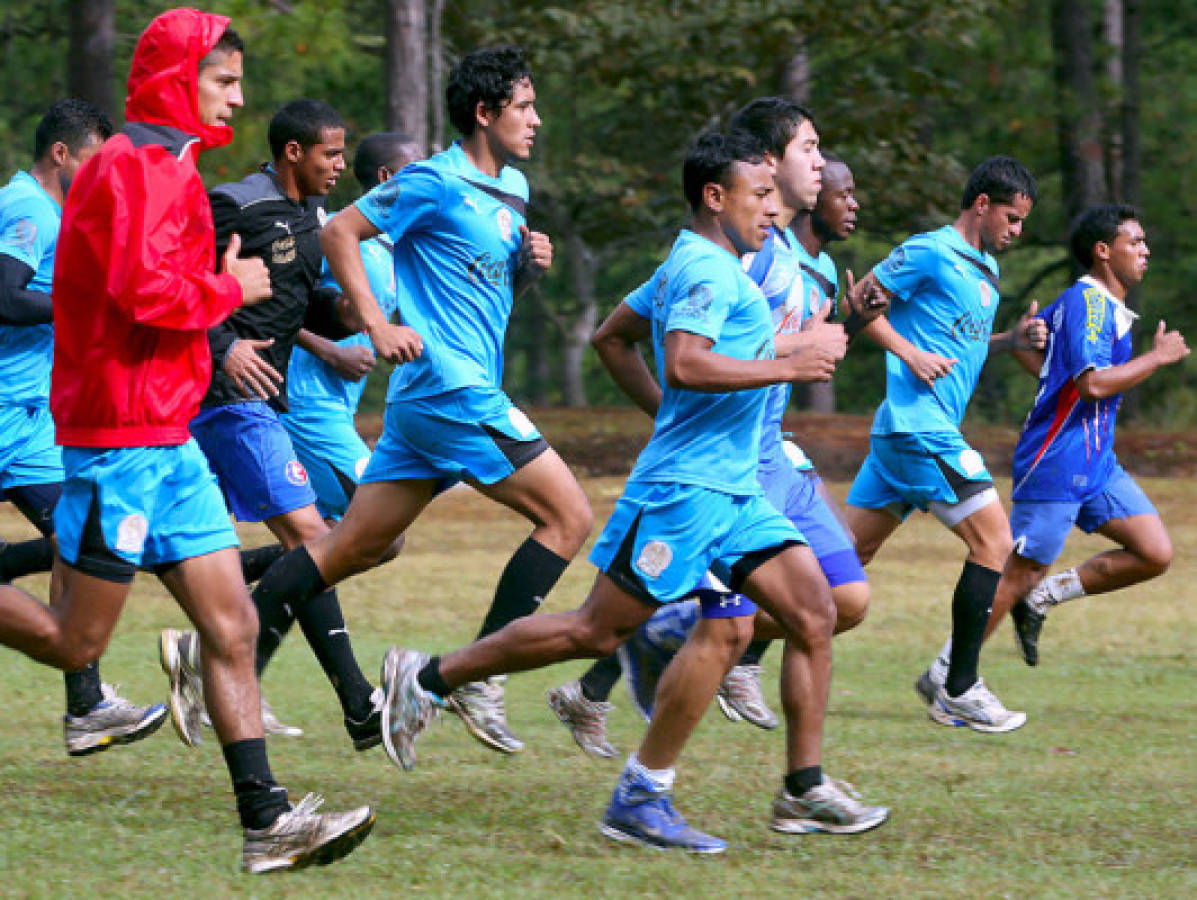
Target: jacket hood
164,76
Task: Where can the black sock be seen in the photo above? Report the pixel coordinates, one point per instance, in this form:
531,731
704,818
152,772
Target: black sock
800,781
971,604
254,563
430,679
25,558
600,678
323,625
290,583
83,692
259,799
529,576
753,653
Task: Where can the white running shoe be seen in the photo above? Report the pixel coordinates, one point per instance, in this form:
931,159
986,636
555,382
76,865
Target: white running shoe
831,807
977,708
585,719
302,837
178,653
114,720
408,709
740,697
271,724
931,680
481,709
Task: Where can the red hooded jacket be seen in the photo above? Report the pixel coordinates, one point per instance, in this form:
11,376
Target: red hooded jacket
134,285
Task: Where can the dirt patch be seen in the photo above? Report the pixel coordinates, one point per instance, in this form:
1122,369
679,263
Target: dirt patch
605,441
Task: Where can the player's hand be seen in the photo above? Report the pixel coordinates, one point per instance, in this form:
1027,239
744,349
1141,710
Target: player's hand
254,377
250,272
816,331
353,361
395,343
536,249
865,298
1169,346
813,362
1030,333
927,366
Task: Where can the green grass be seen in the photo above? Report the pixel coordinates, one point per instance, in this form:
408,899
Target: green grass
1094,797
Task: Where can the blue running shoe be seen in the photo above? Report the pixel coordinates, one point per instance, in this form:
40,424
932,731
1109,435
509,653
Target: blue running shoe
639,814
648,651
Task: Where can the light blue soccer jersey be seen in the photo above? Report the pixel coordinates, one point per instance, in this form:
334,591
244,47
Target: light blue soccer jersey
705,439
945,294
29,222
796,286
311,383
1066,449
456,233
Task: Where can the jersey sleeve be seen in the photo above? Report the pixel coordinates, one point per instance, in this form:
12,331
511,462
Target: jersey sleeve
404,201
703,301
26,238
640,301
1089,332
903,272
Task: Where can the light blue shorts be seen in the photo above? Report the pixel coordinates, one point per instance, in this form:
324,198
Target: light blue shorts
662,538
326,442
904,472
250,451
28,454
146,506
475,433
1040,527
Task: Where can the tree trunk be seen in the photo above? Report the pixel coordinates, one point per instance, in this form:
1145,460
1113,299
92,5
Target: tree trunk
1078,113
436,74
578,329
1112,30
407,71
89,60
1132,148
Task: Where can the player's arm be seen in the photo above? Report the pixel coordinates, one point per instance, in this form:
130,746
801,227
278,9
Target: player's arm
536,256
925,365
352,362
1029,334
1168,347
691,363
18,304
341,241
617,343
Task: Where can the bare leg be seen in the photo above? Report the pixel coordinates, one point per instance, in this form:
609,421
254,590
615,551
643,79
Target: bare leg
1146,553
1020,575
869,529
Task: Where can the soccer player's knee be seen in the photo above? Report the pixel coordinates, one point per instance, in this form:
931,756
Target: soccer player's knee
78,651
1157,557
233,634
851,605
393,549
575,522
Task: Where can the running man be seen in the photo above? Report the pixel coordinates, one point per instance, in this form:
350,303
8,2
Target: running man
462,251
30,462
136,287
943,287
691,501
277,215
1065,470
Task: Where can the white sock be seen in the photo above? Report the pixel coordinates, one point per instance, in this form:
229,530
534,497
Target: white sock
939,667
661,779
1064,586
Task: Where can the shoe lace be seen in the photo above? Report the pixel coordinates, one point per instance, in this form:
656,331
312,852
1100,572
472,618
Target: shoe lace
743,682
495,697
986,699
111,694
307,806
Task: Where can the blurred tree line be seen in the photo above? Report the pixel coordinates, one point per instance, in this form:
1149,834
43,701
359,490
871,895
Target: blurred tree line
1096,96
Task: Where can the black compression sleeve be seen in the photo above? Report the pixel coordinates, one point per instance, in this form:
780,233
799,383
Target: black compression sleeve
18,304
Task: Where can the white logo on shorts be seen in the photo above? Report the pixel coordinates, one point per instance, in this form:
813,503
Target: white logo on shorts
794,454
359,467
729,600
971,462
296,473
520,422
503,218
655,557
131,533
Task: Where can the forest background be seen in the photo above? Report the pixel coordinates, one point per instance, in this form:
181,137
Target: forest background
1097,97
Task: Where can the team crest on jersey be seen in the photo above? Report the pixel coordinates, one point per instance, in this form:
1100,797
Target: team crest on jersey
985,291
1095,314
655,557
131,533
282,251
23,235
698,302
296,473
503,219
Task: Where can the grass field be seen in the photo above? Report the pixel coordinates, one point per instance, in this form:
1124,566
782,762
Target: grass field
1095,797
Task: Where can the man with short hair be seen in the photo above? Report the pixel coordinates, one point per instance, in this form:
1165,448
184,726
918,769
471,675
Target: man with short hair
943,287
277,213
1065,470
463,251
136,287
30,462
692,501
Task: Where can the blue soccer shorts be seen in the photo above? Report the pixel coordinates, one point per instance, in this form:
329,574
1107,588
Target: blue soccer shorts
1041,527
251,454
28,454
328,446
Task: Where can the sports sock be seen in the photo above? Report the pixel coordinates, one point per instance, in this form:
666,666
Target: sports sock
1064,586
259,799
290,583
600,678
528,577
254,563
323,625
753,653
660,779
429,678
971,604
83,692
800,781
25,558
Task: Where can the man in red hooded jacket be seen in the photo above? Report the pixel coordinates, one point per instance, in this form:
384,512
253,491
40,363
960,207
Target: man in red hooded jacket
135,290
